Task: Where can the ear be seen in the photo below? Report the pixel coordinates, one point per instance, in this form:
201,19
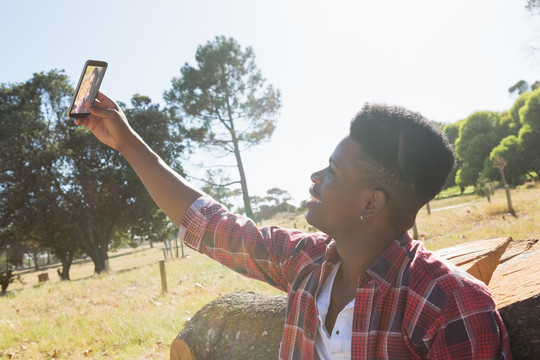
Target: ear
376,202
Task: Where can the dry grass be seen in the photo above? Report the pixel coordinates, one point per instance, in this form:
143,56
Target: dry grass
121,260
124,315
121,315
480,219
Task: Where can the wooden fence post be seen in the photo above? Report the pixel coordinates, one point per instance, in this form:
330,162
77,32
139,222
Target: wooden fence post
415,232
163,276
43,277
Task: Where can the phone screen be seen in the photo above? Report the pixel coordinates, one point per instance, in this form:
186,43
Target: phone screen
88,87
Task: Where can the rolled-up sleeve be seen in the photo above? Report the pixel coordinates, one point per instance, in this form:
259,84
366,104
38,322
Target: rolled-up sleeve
196,219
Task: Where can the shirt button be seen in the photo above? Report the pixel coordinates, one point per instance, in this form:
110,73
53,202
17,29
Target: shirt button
309,336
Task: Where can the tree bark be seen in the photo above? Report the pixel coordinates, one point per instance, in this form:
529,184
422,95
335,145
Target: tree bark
95,243
35,257
98,254
5,280
242,173
521,320
235,326
243,183
66,261
100,257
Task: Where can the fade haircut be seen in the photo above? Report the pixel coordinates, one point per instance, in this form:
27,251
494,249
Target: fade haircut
403,154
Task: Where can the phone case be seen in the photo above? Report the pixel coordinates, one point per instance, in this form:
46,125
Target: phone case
87,88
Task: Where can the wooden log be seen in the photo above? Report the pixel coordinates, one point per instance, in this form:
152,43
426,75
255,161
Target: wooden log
522,322
479,258
518,278
235,326
515,285
518,247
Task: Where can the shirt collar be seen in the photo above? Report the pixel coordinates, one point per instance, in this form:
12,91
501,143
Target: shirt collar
384,270
332,255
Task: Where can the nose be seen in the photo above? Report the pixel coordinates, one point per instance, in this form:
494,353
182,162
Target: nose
318,176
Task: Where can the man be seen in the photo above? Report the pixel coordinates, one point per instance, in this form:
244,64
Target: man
362,288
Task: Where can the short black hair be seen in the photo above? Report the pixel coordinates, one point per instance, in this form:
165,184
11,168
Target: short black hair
410,157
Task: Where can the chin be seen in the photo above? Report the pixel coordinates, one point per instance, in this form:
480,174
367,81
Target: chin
312,220
309,217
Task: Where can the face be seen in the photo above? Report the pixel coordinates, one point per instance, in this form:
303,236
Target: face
337,197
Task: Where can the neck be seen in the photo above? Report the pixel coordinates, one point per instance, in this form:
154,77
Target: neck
359,253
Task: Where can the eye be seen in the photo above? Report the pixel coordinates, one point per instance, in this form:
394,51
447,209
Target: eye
331,171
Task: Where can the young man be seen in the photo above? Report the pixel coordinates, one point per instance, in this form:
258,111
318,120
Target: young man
362,288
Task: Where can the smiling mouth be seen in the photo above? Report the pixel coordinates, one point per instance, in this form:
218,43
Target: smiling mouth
313,197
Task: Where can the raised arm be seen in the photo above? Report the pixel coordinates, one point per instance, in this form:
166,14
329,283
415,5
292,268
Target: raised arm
172,193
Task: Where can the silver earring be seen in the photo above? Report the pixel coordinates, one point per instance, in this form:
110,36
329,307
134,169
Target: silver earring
363,218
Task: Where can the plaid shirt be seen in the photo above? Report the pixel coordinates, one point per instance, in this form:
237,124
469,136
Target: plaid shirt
409,304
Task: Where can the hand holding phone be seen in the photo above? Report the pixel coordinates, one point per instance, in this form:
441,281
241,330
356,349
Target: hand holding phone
87,87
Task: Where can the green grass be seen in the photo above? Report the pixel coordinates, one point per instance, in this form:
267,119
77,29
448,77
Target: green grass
123,314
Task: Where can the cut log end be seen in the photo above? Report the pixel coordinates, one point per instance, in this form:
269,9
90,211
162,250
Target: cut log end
181,351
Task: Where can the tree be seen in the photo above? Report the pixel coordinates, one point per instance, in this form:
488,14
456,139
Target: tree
510,149
275,201
519,88
529,134
478,135
226,101
533,6
516,108
520,144
278,196
500,163
32,119
451,131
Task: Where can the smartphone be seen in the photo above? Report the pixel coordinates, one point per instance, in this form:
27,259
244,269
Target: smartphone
87,88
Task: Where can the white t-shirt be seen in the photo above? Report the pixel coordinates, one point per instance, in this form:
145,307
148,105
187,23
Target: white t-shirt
335,346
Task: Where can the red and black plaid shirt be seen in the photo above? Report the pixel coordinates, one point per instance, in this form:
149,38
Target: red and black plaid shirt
408,305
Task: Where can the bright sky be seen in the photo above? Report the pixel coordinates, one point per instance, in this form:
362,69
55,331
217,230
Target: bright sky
445,59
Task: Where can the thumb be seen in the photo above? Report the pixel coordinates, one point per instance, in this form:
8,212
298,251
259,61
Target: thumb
95,110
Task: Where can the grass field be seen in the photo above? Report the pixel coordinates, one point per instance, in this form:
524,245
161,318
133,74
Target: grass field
124,315
121,315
